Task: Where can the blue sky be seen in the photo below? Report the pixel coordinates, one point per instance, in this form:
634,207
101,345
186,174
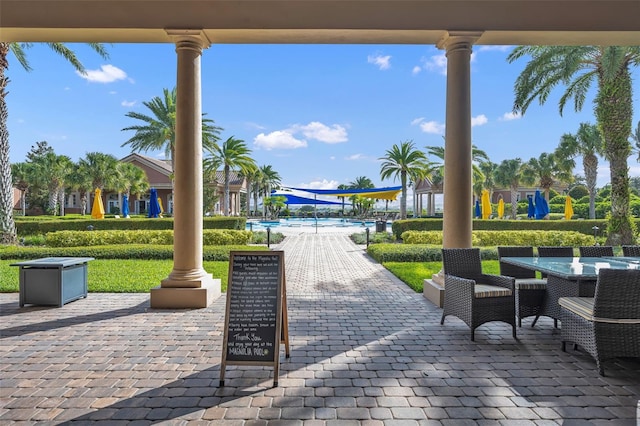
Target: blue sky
321,115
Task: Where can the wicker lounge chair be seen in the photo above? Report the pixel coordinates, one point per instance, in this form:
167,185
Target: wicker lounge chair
530,290
552,251
607,325
631,251
596,251
472,296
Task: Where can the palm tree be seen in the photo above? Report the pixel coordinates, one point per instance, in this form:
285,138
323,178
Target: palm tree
22,174
232,155
477,156
588,143
546,171
358,202
52,171
7,224
270,179
131,179
404,161
251,175
158,131
101,169
508,175
577,67
342,186
80,181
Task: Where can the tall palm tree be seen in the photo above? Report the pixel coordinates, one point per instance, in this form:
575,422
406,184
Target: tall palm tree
158,130
357,202
507,175
404,161
131,179
270,179
53,171
477,156
588,143
232,155
81,181
7,224
342,186
578,67
251,175
547,170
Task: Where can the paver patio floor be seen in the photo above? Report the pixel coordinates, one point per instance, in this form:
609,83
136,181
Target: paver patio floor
365,349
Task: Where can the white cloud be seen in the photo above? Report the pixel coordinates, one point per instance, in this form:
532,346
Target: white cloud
321,132
436,63
416,70
106,74
498,48
252,125
508,116
67,88
479,120
417,121
432,127
321,184
382,62
356,157
112,92
128,104
332,157
278,140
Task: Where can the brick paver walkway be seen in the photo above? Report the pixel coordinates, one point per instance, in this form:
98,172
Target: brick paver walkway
364,350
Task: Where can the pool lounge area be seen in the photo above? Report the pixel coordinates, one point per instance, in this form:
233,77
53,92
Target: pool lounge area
357,225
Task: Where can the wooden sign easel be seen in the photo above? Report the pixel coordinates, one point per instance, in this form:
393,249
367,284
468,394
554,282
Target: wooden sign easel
255,322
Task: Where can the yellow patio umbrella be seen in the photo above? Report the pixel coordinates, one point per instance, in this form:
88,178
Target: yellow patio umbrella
500,208
486,204
568,208
97,210
160,204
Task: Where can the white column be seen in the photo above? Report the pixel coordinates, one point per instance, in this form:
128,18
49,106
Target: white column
457,224
188,285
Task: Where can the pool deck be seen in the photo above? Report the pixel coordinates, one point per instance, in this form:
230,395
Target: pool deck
365,350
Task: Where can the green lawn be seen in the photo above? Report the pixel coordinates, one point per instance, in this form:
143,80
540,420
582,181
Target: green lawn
119,276
413,273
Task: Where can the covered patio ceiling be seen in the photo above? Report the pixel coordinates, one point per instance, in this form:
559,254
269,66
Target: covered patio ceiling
548,22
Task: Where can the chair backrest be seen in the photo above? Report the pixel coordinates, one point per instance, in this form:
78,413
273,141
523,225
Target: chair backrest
632,251
596,251
617,294
462,262
555,251
512,270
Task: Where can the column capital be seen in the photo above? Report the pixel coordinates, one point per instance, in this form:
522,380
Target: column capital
456,38
193,38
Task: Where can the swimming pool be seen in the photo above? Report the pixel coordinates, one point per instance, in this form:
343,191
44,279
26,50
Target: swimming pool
298,222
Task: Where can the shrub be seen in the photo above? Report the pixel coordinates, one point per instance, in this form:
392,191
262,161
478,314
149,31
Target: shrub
96,238
416,253
498,238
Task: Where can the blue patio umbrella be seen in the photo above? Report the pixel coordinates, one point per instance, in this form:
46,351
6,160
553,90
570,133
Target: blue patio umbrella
542,208
154,207
478,211
125,206
531,210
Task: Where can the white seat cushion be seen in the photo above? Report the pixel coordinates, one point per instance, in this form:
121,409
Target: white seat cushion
583,307
485,290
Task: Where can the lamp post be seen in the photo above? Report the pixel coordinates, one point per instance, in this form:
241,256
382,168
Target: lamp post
367,231
268,236
595,235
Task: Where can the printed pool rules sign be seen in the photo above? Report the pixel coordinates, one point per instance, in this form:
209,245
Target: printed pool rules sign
256,316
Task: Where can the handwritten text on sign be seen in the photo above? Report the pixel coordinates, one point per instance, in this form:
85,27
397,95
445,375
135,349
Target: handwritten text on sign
253,308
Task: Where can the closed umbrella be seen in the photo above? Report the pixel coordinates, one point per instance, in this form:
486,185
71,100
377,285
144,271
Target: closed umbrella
531,210
125,206
97,210
542,208
160,205
478,212
500,208
154,207
486,205
568,208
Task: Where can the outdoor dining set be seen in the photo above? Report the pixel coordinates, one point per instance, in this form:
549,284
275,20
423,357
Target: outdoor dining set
595,297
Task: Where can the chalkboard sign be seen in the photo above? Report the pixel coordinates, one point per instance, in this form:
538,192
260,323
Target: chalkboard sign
254,316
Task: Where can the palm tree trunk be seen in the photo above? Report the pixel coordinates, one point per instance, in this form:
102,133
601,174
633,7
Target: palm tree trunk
227,196
614,111
7,224
61,200
514,203
53,201
403,195
590,165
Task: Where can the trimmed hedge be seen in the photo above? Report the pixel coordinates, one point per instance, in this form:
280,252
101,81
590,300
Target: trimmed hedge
582,226
498,238
132,251
416,253
99,238
33,227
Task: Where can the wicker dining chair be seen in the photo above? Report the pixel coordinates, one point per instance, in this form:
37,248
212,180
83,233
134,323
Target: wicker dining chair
596,251
631,251
607,325
472,296
530,290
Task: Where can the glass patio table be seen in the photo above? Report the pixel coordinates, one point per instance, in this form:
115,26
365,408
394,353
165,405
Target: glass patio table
569,277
